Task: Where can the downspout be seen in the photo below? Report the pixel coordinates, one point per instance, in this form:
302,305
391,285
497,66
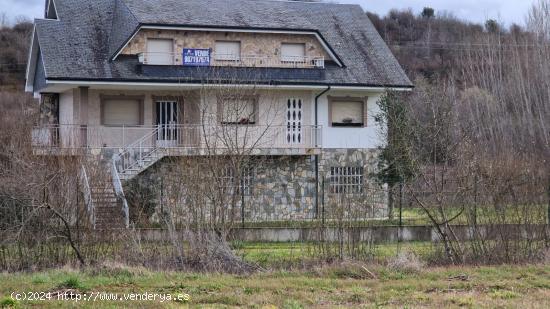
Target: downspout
317,155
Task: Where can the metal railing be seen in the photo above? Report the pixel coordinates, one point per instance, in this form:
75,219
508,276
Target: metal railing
134,154
232,60
119,192
87,191
146,138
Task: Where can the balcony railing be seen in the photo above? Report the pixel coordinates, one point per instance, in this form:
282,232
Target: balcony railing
178,136
230,60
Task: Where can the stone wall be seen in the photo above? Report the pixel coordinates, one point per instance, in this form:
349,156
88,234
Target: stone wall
372,201
283,187
252,44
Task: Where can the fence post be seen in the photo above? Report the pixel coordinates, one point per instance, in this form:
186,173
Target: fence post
323,201
475,200
399,236
548,208
242,201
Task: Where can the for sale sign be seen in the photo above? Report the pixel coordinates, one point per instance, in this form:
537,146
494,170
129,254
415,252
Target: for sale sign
196,57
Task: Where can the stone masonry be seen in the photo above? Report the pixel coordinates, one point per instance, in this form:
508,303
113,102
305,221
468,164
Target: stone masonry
251,44
283,187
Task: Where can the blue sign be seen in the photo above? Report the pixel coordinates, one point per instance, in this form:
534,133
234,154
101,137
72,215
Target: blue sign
196,57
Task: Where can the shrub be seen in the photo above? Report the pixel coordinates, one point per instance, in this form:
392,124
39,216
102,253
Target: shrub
406,261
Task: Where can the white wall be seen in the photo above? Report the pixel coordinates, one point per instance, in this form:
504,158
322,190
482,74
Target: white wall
272,109
367,137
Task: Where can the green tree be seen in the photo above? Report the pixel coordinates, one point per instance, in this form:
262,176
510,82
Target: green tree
428,13
492,26
395,161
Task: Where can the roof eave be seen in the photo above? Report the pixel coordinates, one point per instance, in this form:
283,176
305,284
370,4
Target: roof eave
175,83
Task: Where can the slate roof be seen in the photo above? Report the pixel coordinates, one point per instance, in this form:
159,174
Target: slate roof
81,44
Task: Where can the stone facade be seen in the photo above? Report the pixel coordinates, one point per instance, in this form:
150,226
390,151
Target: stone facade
283,187
372,201
49,109
252,44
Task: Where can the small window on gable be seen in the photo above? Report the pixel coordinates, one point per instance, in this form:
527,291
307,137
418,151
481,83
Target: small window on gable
347,113
228,50
160,52
292,52
121,112
238,111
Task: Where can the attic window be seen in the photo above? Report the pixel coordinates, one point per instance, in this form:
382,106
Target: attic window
228,50
291,52
160,51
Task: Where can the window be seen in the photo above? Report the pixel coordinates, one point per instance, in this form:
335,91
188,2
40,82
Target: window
119,112
228,50
291,52
238,111
346,180
230,184
160,52
347,113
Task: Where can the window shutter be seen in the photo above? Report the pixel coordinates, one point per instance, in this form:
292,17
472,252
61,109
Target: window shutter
121,112
347,112
227,50
160,52
238,111
293,52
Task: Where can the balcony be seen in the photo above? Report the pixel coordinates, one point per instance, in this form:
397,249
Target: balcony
179,139
245,61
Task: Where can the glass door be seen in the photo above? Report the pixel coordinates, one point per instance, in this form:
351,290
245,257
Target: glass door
167,123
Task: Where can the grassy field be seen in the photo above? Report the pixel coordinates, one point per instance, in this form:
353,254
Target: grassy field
348,286
413,216
272,255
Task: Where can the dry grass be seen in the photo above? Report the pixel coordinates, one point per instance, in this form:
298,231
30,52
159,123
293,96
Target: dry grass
346,286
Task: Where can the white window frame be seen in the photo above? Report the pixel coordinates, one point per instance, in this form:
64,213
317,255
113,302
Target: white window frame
293,58
219,56
333,104
168,60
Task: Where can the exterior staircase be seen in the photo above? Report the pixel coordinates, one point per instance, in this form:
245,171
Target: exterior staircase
103,192
108,213
138,156
105,203
140,164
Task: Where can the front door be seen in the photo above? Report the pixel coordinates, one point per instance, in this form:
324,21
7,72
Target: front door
168,114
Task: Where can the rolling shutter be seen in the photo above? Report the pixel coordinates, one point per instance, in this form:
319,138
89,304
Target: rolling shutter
347,113
226,50
121,112
160,52
293,52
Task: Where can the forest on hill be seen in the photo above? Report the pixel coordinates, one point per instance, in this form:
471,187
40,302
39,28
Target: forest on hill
425,43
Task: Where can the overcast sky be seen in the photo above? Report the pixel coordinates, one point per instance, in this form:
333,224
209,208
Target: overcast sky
507,11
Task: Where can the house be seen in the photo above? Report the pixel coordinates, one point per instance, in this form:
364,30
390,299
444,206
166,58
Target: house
133,82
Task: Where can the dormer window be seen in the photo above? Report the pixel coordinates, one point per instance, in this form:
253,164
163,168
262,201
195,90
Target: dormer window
160,52
292,52
228,50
